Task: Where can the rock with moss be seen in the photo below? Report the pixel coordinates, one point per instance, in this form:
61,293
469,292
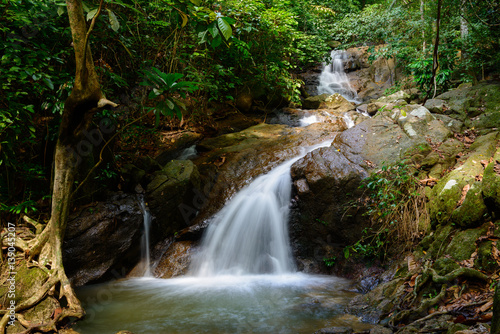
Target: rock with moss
491,183
419,123
170,195
447,201
463,243
314,102
396,98
338,104
478,105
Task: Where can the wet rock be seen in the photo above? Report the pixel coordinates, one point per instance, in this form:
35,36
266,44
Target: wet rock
375,141
319,213
102,241
233,160
175,262
335,330
132,176
396,98
181,142
337,103
314,102
172,197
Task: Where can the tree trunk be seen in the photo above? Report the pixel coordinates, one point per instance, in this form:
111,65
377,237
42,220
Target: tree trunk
422,18
85,100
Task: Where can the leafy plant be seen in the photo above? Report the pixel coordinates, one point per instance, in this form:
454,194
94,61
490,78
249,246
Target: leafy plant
396,207
330,261
164,88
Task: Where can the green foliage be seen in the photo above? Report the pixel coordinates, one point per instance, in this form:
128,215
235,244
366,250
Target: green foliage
164,87
330,261
396,207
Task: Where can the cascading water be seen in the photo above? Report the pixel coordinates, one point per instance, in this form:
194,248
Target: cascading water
250,235
243,281
145,257
333,78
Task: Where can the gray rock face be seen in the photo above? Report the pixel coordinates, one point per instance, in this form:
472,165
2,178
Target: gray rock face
102,241
171,196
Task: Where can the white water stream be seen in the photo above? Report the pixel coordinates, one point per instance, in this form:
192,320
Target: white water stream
333,78
145,257
250,234
242,281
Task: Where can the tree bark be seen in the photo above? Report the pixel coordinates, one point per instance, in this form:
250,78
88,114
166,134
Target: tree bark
422,18
85,100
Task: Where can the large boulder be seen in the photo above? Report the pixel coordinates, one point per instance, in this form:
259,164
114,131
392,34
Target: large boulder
102,240
325,181
478,106
458,196
170,197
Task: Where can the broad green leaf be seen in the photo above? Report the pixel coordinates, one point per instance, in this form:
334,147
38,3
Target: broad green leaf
113,21
196,2
212,28
91,14
202,36
60,10
224,27
49,83
216,41
170,104
229,20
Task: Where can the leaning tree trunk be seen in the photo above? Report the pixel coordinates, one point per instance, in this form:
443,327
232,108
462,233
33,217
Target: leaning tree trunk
85,100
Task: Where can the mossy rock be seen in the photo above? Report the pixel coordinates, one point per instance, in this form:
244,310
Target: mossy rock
445,196
485,260
42,311
472,209
445,265
28,282
440,240
456,328
491,187
463,243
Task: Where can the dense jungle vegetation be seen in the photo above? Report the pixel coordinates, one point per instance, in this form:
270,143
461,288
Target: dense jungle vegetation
217,50
169,65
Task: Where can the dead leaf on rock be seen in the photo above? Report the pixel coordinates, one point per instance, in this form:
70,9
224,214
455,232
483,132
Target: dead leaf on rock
465,190
479,177
430,182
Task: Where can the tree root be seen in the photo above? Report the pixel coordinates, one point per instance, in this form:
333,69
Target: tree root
424,306
466,272
430,275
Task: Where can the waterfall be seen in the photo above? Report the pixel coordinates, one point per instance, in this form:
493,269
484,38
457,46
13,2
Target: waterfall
250,234
145,257
333,78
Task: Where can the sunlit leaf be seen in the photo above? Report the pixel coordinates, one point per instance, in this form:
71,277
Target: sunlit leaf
60,10
113,21
91,14
224,27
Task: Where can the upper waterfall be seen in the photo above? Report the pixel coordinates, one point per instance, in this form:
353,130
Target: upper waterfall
333,78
